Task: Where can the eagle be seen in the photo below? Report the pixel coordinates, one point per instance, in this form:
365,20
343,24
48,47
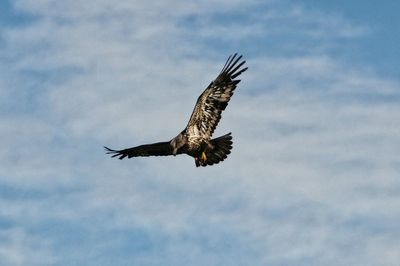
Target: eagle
195,140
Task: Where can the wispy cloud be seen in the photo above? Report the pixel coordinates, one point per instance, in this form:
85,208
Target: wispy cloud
312,179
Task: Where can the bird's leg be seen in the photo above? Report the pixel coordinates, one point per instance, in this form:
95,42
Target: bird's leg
196,161
203,157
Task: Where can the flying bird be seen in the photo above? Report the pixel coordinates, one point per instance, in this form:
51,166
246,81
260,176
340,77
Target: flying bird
195,140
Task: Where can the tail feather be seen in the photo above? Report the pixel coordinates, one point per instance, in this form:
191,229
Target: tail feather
222,147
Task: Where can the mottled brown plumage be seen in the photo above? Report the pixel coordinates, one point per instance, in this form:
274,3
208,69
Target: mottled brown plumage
195,140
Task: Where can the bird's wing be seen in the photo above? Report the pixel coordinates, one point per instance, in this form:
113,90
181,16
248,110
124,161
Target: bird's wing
155,149
215,98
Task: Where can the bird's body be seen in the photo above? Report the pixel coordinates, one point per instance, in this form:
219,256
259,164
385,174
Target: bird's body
195,140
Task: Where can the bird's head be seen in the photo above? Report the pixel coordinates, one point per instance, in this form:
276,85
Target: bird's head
177,142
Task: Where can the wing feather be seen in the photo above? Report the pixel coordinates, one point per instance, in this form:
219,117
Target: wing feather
155,149
215,98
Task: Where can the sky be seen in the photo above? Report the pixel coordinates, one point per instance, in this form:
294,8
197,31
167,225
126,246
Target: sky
314,174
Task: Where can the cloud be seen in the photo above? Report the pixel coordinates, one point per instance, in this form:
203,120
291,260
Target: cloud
312,178
18,247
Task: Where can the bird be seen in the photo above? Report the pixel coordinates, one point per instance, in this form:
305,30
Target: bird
195,140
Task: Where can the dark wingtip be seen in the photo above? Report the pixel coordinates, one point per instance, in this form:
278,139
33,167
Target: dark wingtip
232,68
115,153
108,150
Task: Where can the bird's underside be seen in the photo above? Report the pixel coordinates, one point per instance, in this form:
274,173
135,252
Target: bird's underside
195,140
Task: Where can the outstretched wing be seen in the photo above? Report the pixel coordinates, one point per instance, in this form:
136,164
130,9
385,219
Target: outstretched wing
155,149
215,98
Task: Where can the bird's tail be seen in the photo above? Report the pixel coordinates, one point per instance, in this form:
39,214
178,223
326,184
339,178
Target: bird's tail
222,147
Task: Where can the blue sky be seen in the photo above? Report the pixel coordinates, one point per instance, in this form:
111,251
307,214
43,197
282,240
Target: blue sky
313,178
378,49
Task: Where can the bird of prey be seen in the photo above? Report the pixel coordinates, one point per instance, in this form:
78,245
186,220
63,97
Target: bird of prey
195,140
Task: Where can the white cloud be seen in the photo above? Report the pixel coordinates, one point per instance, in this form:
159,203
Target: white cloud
18,248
